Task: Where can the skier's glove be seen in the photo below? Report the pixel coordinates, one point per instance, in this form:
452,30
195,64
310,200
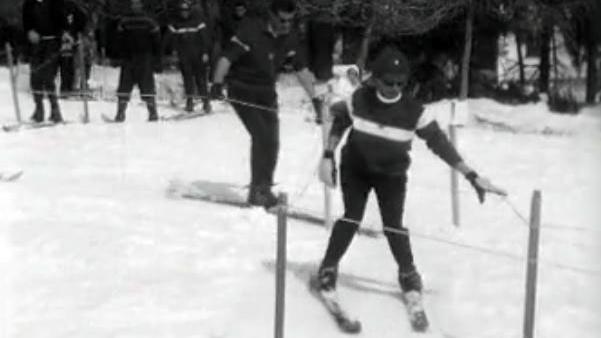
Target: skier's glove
482,185
327,169
216,92
318,108
33,37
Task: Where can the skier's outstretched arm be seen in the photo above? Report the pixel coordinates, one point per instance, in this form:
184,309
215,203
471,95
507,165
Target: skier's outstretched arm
437,142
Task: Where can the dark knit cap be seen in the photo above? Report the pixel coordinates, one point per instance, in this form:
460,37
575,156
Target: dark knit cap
390,63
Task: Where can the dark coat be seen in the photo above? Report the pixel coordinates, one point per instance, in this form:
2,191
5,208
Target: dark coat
45,17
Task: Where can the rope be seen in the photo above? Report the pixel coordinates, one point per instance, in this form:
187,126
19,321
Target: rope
476,248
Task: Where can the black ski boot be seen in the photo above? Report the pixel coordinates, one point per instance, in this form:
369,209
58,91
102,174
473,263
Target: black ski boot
261,195
153,116
206,106
410,281
38,113
55,112
121,107
326,278
189,105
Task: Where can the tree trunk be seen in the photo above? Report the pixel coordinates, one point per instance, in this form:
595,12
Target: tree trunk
467,52
363,52
545,62
591,69
555,61
519,44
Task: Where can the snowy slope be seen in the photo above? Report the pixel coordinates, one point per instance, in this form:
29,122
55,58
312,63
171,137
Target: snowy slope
91,246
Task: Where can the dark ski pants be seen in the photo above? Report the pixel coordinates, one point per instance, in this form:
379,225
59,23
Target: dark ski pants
44,67
67,71
194,73
138,71
390,191
262,125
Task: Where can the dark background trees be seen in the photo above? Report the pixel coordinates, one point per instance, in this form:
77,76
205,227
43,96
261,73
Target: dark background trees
423,29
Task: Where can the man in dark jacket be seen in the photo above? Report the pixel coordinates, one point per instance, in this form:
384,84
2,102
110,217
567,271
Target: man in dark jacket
75,22
139,43
44,26
232,18
383,123
251,61
188,34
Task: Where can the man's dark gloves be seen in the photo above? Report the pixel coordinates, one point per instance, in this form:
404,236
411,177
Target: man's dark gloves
216,92
482,185
318,108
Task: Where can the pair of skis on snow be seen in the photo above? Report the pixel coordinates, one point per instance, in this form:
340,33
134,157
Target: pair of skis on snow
349,324
234,195
183,116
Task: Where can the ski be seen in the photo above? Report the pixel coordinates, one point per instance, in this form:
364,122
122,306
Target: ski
30,125
5,177
415,311
183,116
234,195
329,299
107,119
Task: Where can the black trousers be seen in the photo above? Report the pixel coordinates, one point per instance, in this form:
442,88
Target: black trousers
194,73
356,183
138,70
263,125
44,66
67,71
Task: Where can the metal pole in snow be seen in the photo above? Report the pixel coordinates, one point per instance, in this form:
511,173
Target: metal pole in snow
83,84
280,273
532,265
325,118
454,176
13,84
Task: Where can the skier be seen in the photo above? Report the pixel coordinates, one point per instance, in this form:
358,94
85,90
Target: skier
75,22
44,26
382,124
250,61
139,43
189,34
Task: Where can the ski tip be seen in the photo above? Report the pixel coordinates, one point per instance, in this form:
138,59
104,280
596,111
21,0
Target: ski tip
11,177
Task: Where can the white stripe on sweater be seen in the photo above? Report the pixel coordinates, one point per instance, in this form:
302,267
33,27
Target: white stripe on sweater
379,130
186,29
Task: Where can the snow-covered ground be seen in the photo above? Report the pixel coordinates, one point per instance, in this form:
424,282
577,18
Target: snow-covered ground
91,245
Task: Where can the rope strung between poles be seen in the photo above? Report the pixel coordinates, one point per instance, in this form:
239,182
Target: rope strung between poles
521,216
515,257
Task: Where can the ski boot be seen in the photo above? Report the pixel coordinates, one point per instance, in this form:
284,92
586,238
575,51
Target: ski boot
189,105
121,106
206,106
38,113
261,195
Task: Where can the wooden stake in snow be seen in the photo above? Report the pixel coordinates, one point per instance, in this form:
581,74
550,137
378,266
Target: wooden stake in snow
532,265
465,72
83,83
13,81
280,275
325,128
454,176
